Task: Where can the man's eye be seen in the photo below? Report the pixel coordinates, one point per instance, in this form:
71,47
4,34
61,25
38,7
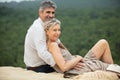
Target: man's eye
48,12
53,12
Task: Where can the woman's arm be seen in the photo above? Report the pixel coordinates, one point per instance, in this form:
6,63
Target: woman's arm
60,61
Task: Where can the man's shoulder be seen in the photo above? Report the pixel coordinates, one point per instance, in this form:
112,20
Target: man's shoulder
38,21
36,26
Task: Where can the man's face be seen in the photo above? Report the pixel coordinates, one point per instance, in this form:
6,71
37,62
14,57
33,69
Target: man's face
47,14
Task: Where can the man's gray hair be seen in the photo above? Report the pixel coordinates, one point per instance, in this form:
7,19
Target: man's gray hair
47,4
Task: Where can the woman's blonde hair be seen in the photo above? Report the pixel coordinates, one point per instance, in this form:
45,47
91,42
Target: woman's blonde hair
51,23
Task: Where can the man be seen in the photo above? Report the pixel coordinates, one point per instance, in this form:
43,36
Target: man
36,56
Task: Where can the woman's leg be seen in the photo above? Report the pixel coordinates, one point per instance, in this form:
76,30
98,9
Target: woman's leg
102,51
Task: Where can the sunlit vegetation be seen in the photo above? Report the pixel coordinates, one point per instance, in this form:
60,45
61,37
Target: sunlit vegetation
84,22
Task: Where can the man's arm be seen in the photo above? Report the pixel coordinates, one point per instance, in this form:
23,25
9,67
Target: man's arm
39,39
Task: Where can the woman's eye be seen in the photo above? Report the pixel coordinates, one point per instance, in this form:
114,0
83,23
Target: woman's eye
54,30
59,29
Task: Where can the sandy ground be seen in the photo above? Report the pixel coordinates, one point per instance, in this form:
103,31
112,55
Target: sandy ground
17,73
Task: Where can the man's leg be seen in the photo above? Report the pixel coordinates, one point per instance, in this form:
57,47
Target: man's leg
43,68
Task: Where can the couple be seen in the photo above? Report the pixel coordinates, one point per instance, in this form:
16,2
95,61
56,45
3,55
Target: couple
44,52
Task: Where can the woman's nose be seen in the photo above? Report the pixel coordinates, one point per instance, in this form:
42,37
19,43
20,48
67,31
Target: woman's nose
58,32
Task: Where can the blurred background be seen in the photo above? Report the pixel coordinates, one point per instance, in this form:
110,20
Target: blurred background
84,22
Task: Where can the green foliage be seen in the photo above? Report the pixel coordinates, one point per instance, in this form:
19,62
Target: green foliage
82,26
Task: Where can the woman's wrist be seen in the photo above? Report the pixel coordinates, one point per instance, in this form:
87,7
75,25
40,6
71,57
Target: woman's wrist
80,58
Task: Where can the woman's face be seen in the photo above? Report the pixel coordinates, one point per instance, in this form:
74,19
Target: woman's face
53,32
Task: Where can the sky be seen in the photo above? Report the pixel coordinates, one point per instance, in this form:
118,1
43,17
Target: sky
14,0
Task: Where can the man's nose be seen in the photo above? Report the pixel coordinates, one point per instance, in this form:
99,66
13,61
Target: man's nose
51,15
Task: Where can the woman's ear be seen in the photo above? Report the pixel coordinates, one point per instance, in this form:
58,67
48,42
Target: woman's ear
46,31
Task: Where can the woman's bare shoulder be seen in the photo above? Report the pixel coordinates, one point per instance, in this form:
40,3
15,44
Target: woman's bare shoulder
52,45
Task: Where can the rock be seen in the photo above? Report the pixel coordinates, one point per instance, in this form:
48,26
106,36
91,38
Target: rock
18,73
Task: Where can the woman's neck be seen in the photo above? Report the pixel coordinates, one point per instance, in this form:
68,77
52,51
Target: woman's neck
49,41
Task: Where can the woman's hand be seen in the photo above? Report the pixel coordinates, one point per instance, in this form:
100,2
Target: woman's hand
80,64
80,57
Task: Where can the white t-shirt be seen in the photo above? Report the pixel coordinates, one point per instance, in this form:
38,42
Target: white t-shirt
36,53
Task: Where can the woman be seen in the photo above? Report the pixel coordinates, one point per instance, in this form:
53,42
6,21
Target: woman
67,63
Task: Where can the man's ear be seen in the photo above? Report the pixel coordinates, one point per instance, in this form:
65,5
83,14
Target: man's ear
40,12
